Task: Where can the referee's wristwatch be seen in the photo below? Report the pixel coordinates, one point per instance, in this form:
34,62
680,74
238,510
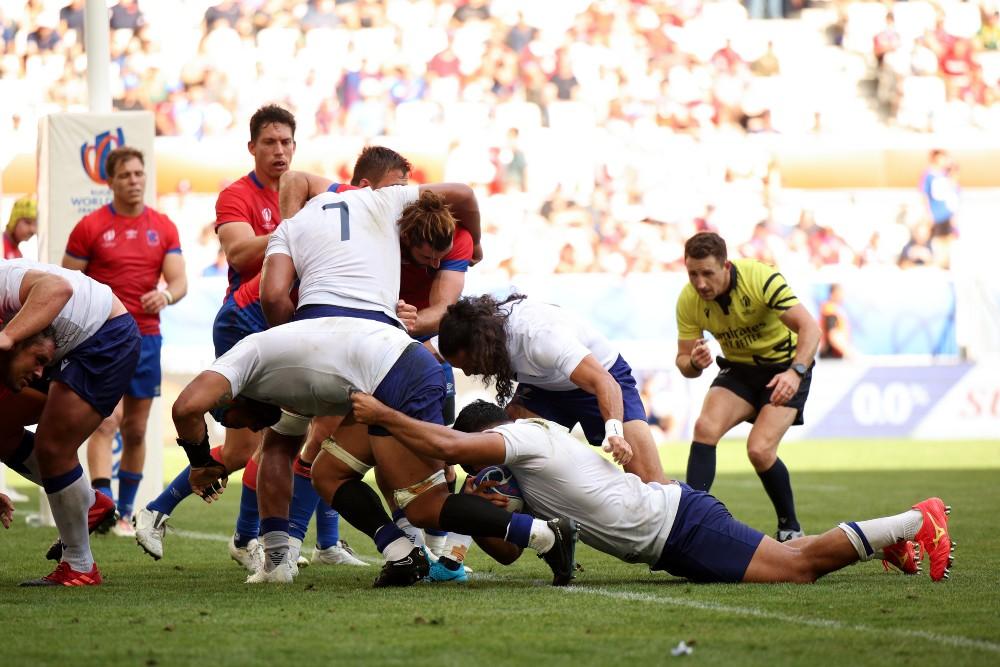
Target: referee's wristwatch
800,369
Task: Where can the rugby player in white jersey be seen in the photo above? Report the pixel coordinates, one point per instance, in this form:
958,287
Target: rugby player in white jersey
669,526
566,371
345,249
74,325
309,367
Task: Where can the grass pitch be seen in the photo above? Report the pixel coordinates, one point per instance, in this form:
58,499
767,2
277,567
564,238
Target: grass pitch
193,607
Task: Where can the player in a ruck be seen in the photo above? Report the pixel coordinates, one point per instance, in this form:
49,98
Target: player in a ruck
64,320
669,526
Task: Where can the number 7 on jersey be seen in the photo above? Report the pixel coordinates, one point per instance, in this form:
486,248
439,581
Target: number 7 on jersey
345,219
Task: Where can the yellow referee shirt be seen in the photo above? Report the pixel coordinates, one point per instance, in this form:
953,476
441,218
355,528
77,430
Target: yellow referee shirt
745,320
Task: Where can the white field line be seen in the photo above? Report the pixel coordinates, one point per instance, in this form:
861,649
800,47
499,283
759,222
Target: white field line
949,640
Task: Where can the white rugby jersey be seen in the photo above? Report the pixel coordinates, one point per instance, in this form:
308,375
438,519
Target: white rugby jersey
309,366
85,312
560,476
345,247
546,344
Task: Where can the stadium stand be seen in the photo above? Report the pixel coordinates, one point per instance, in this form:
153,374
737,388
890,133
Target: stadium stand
525,95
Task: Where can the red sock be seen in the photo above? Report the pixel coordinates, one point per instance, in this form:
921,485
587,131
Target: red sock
250,475
216,453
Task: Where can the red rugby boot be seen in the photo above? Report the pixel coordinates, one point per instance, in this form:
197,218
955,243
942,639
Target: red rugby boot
64,575
933,536
904,556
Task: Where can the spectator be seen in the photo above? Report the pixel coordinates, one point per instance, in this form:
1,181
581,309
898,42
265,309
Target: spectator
22,225
126,15
918,250
834,325
71,17
227,10
989,33
768,64
940,190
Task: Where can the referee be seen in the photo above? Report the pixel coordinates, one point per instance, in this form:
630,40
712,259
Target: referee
768,341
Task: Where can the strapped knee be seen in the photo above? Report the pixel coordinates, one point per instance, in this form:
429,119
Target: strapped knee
331,447
406,496
291,424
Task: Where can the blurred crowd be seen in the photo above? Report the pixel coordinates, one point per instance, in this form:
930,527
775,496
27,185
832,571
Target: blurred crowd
600,134
935,65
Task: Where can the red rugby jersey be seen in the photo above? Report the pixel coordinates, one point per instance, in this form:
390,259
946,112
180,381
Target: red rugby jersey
415,280
126,254
247,200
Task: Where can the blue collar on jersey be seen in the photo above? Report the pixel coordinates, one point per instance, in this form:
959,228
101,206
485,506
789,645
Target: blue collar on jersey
253,177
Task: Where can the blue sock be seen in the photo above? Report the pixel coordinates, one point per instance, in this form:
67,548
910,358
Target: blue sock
128,486
388,534
519,529
103,485
176,491
248,520
435,532
327,525
304,499
60,482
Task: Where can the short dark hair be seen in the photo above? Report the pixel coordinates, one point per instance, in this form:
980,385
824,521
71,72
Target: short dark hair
120,155
267,114
479,416
706,244
375,162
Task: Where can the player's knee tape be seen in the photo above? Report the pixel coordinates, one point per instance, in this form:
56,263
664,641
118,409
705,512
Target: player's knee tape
406,496
357,465
291,424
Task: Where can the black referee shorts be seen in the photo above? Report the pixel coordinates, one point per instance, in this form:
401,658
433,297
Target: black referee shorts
750,383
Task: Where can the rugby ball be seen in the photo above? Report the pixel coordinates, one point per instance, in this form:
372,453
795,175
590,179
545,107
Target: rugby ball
506,485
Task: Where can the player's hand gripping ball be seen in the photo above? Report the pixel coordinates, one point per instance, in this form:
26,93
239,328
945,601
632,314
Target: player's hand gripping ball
503,483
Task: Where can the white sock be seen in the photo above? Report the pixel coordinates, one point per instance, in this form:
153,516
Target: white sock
870,537
69,509
435,543
456,546
276,546
542,538
398,549
415,534
294,549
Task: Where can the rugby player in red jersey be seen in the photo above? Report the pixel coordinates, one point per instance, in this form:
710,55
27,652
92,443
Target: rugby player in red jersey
127,246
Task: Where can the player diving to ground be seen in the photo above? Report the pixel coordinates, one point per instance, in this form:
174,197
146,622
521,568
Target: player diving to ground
309,367
670,526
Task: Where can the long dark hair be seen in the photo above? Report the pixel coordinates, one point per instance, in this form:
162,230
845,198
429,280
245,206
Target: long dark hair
476,326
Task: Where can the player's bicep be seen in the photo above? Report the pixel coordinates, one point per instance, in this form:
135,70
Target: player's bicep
797,318
233,233
590,375
173,266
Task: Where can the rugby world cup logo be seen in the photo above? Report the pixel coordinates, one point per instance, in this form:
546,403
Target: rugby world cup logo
93,156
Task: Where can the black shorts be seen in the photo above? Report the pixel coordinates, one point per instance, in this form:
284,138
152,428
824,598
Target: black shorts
750,384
